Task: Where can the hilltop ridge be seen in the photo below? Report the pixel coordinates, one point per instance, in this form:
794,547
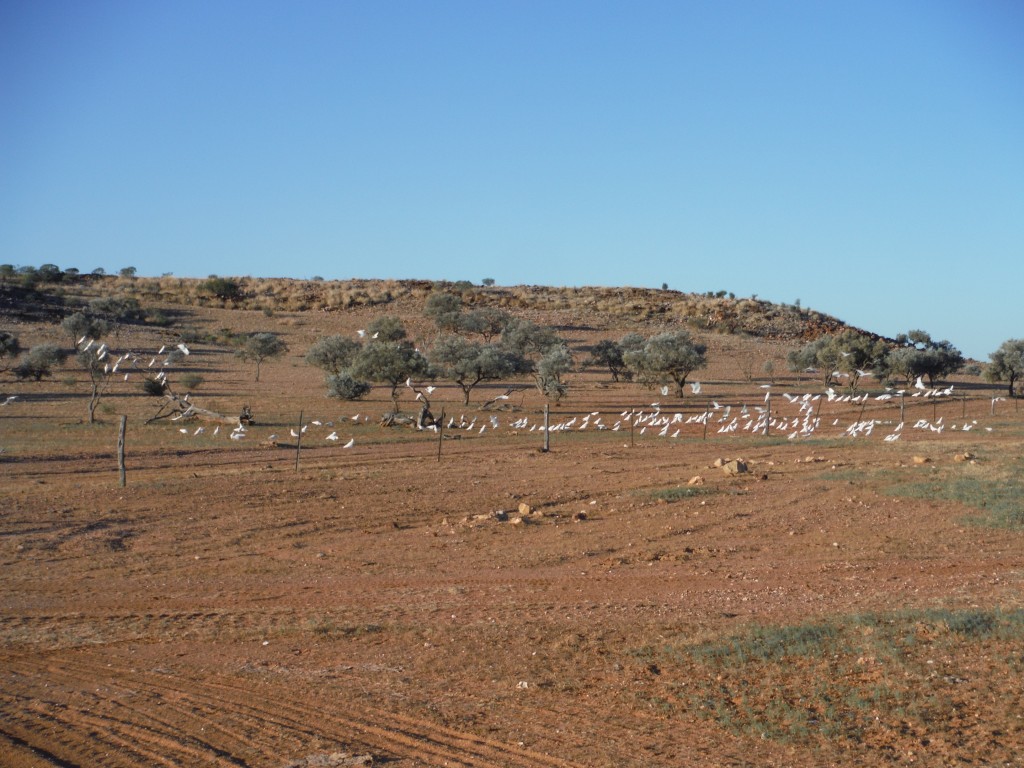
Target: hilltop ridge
593,306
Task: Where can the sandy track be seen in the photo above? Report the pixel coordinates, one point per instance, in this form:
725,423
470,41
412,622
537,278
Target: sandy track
134,717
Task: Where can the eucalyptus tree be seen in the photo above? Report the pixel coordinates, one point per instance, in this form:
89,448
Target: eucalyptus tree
672,355
468,363
549,370
445,309
1007,364
917,355
333,354
39,362
487,322
611,355
260,347
386,328
390,362
84,324
10,346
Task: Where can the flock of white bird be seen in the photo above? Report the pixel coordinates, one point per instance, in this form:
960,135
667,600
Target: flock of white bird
130,359
765,418
791,415
241,431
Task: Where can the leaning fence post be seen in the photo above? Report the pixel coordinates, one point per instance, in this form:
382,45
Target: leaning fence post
122,475
298,443
440,434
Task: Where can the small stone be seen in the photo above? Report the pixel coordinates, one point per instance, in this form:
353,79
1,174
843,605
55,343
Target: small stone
500,515
525,509
921,460
719,462
965,456
695,480
735,467
579,516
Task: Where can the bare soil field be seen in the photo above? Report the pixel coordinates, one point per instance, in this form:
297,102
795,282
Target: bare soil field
475,601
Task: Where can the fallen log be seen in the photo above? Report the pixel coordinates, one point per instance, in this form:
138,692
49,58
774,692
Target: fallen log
179,409
423,420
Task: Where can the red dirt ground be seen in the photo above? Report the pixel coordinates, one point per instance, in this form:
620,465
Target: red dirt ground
224,609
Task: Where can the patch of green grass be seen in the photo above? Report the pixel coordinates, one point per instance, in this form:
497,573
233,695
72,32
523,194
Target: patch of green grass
997,494
678,493
846,678
999,498
850,475
771,644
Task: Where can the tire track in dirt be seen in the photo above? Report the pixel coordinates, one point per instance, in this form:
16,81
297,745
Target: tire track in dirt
62,738
148,743
19,753
389,732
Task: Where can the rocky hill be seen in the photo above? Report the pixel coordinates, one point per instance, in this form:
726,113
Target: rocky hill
24,297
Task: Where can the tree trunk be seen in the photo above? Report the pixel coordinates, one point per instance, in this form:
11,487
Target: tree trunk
93,400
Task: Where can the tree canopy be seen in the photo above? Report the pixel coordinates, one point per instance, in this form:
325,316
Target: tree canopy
851,352
386,328
333,353
469,363
391,363
445,309
39,362
611,355
1007,363
10,346
84,324
672,355
552,366
259,347
918,355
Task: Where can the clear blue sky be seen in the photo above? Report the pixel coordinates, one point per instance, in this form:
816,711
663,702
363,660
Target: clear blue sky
866,158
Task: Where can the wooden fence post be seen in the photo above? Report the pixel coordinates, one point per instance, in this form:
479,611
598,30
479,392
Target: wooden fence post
547,434
122,474
298,443
440,434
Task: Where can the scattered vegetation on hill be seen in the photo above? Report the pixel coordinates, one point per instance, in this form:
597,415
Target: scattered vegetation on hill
483,309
